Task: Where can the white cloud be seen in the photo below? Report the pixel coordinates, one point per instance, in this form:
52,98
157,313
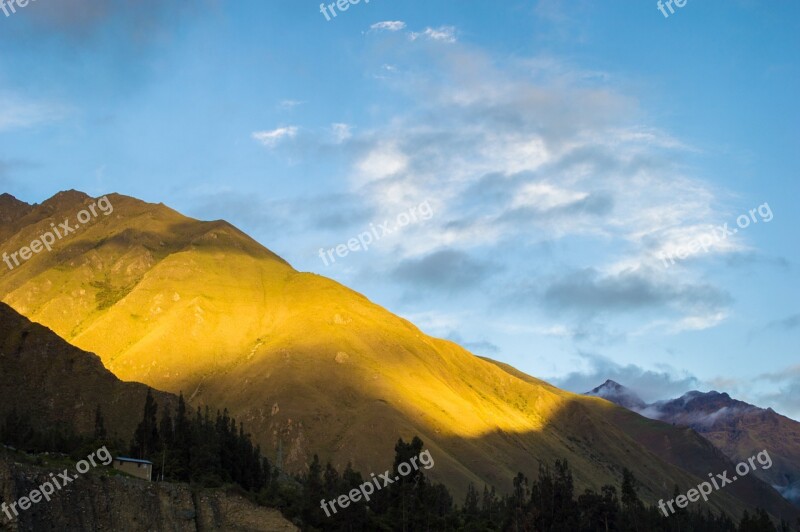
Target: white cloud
443,33
381,161
388,25
700,322
544,196
341,132
271,138
535,152
546,148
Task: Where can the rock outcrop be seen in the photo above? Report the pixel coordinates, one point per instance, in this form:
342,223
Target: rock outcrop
103,501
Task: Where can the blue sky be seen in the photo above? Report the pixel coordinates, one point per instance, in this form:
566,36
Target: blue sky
562,147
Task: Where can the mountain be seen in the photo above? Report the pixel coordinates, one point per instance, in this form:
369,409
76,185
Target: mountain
311,366
618,394
738,429
11,210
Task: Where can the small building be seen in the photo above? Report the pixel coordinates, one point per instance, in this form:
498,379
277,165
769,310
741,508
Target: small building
132,466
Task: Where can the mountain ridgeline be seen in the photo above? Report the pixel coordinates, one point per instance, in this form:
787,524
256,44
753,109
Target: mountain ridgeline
312,367
737,428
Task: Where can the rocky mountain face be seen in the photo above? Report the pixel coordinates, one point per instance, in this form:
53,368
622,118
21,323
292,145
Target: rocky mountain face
12,211
738,429
102,502
311,366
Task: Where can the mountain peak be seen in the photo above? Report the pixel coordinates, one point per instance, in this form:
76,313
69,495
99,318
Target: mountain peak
617,393
66,198
11,210
608,385
7,201
713,397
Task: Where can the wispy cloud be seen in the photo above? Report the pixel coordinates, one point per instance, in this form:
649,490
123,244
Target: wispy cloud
341,132
289,104
536,150
17,112
272,137
388,25
443,33
786,324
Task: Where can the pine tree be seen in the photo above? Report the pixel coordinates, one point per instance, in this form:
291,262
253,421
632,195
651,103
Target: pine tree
182,442
314,494
471,502
489,511
146,440
407,491
633,506
356,513
519,498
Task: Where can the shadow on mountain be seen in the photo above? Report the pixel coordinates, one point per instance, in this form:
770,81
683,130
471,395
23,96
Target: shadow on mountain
54,383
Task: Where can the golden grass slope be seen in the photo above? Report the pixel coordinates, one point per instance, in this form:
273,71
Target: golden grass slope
308,364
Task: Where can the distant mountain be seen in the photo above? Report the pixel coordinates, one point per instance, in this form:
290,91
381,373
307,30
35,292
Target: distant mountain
618,394
311,366
737,428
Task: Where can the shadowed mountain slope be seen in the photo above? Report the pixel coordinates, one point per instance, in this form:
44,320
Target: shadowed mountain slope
53,383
